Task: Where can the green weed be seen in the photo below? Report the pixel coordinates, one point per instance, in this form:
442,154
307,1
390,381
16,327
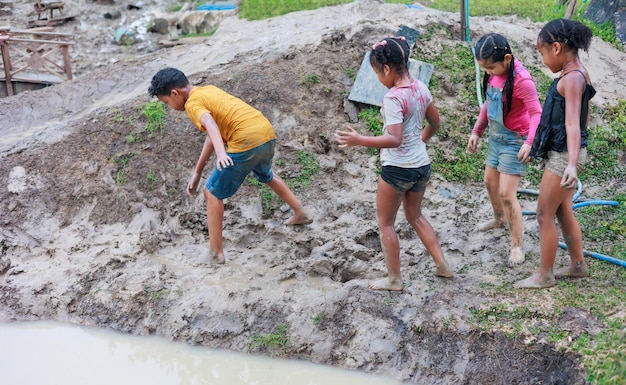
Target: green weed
154,112
309,168
309,79
274,343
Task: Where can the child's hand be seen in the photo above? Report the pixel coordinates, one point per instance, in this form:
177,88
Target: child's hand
472,143
224,161
570,178
524,154
347,138
192,185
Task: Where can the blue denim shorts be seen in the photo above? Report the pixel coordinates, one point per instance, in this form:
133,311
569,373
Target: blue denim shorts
225,183
406,179
502,154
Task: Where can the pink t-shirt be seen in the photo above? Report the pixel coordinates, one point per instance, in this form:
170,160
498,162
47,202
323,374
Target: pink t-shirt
525,107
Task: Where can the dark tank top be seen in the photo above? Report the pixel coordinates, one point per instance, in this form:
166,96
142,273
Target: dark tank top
551,134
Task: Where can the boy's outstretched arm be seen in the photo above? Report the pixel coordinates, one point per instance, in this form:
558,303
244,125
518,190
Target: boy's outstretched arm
207,150
432,117
213,132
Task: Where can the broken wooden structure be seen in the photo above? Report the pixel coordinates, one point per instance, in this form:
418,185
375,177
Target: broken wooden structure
33,59
45,14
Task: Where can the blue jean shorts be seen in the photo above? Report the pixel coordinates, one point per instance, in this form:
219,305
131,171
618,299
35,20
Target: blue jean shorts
406,179
224,183
502,154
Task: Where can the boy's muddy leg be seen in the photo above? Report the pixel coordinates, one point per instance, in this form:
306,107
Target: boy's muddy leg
300,217
215,217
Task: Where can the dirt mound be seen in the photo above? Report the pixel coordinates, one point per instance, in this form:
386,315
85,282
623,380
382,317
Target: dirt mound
97,229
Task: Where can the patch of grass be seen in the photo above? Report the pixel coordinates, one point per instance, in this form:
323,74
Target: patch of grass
199,34
605,227
537,10
373,122
133,137
154,112
267,195
319,317
536,314
264,9
608,368
349,72
274,343
152,178
122,161
309,168
309,79
606,144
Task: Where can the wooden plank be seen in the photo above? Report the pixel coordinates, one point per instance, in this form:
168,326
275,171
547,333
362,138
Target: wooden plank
31,77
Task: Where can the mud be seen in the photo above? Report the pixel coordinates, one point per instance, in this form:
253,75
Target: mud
96,229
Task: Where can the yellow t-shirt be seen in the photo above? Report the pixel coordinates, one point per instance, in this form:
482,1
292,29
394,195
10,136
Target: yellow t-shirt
242,127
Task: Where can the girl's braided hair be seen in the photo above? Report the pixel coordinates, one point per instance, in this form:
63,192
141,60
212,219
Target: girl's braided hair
495,47
392,51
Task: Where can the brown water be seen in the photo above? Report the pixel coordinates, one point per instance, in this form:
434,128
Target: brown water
49,353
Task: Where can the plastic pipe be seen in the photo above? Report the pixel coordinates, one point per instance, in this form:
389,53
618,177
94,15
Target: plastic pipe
602,257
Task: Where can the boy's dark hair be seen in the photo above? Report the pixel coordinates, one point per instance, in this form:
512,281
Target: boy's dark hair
166,80
393,52
495,47
573,34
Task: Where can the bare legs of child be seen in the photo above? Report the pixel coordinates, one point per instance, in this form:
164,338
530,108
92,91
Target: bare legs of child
215,215
502,191
555,201
300,217
388,201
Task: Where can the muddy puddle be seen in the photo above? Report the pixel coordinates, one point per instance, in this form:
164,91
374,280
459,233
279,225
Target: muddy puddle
55,353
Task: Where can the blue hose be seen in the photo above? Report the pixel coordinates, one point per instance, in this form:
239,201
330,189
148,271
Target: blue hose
576,205
601,257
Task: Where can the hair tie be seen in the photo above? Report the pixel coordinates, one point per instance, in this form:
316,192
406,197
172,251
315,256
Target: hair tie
382,43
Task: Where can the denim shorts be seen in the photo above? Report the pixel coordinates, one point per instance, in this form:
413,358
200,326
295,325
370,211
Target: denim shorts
557,161
502,154
406,179
225,183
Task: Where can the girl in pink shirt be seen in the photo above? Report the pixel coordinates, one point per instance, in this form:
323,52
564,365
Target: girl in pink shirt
512,112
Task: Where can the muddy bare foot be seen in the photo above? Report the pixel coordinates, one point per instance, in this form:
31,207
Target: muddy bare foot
444,270
492,224
215,257
577,270
302,219
536,281
387,284
517,256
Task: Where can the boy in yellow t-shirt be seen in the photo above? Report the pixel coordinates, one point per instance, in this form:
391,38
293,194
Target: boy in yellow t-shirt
241,137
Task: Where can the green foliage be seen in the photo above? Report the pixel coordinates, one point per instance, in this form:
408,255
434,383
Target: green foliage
152,178
264,9
309,168
309,79
606,144
199,34
349,72
605,227
609,368
154,112
274,343
536,10
372,120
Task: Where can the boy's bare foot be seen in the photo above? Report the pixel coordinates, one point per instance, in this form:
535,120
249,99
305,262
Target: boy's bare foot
536,281
492,224
302,219
517,256
387,284
444,270
577,270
